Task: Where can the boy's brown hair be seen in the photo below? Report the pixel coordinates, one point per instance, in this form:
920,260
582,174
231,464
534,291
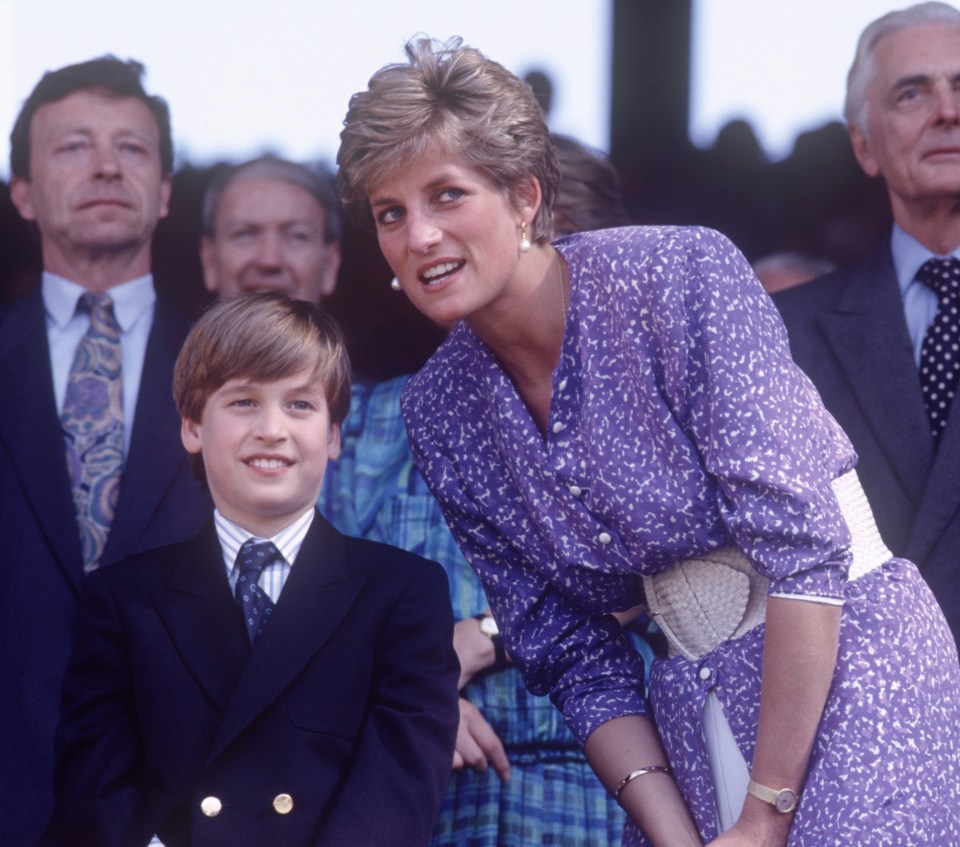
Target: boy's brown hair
263,337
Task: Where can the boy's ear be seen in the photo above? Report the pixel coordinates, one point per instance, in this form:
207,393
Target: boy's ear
333,442
190,435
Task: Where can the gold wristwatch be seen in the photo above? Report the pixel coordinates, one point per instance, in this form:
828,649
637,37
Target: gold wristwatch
784,801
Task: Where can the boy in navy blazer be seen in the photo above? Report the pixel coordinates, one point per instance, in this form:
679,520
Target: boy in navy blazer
314,704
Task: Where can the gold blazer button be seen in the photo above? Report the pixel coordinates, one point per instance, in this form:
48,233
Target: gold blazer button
283,804
211,806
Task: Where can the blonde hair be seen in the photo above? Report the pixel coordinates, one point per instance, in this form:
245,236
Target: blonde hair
454,98
263,337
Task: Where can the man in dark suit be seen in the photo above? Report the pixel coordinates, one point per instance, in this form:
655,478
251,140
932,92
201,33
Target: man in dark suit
309,701
865,334
91,162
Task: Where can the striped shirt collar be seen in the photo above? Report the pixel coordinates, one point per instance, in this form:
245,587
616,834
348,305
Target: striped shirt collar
288,541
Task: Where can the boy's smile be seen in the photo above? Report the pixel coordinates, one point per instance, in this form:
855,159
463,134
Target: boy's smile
265,448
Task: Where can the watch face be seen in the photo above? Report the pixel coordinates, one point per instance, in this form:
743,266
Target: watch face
488,626
786,801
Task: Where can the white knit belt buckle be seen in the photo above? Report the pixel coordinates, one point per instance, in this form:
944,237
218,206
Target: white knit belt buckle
703,601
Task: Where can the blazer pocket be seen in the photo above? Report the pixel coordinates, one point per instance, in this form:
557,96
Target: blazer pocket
332,698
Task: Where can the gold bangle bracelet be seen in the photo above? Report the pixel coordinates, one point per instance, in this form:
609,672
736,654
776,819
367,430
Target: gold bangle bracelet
630,777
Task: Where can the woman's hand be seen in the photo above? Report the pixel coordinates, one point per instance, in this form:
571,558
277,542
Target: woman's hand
478,746
767,829
628,616
474,649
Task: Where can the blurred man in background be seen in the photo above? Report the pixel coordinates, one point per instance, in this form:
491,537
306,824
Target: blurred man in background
271,225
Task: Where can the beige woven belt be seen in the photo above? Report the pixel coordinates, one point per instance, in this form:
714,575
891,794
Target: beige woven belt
701,602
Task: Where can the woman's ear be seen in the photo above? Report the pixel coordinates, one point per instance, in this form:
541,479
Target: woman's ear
528,198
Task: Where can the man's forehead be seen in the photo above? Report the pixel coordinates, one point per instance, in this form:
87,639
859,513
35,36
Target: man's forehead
919,50
95,108
265,197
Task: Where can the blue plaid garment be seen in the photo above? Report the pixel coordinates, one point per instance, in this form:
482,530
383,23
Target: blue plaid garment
553,797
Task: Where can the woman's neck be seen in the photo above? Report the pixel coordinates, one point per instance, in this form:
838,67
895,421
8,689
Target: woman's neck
526,333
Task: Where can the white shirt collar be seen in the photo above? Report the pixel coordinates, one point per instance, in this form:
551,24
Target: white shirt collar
909,255
131,300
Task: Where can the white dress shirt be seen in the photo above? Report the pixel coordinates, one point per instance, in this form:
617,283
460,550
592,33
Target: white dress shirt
287,541
133,306
919,301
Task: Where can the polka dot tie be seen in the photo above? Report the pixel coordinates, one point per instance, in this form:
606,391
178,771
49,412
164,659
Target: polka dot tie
940,353
92,423
256,605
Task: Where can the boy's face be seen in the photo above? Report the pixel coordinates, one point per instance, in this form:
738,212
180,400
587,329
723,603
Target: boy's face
265,448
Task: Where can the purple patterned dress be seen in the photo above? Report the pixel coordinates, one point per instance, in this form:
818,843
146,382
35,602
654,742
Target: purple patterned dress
679,424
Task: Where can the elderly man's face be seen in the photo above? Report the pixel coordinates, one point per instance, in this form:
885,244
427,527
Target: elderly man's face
268,236
911,134
96,182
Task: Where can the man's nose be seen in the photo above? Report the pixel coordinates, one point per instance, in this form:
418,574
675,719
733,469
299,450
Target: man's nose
269,251
106,161
947,103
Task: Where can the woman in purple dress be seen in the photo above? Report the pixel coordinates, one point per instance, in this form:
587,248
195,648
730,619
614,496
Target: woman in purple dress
615,419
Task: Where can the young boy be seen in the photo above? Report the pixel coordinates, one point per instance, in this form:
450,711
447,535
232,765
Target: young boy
315,704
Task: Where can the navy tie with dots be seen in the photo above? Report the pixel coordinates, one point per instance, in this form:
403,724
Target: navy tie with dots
257,607
940,353
92,421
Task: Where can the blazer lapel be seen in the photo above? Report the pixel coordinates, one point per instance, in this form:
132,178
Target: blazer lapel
203,619
315,598
155,449
877,361
940,503
30,428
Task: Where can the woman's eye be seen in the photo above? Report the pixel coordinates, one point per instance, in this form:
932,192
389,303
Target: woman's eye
450,195
389,216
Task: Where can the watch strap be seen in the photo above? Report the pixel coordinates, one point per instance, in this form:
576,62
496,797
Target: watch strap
784,800
500,660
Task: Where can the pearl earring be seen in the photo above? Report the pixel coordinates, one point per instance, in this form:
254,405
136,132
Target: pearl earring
524,239
395,284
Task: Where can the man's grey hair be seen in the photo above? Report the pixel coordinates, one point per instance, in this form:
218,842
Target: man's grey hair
862,70
317,180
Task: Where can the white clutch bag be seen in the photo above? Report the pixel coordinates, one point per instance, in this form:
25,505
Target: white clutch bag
702,602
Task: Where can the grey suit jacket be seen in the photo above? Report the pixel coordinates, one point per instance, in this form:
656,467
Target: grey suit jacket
40,560
848,333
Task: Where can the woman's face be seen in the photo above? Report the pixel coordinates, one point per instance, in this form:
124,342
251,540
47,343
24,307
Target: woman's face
450,235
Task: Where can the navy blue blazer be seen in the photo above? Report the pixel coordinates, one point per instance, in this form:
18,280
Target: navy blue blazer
848,333
345,709
40,560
